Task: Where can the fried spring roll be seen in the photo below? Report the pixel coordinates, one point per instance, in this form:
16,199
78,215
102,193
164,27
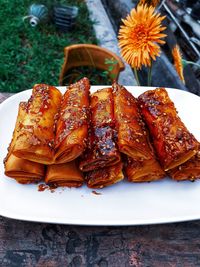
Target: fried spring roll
101,149
100,178
72,124
36,138
189,170
23,171
132,137
143,170
173,143
65,174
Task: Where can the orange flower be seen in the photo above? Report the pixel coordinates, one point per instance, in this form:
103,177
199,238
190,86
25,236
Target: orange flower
178,62
153,3
140,35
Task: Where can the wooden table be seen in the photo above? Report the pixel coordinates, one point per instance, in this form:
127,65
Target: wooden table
26,244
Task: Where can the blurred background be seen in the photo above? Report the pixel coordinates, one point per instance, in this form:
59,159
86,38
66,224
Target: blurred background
34,53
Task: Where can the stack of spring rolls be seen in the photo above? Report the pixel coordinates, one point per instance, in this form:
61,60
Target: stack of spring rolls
177,149
66,140
50,134
141,164
101,161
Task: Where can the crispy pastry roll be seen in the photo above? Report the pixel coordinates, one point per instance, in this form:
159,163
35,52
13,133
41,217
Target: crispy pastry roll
65,174
174,144
36,137
189,170
72,124
103,177
23,171
132,136
145,170
101,149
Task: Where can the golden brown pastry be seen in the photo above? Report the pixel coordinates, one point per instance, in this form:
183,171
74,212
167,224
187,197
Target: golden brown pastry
189,170
132,137
173,143
103,177
35,141
101,150
72,123
23,171
65,174
145,170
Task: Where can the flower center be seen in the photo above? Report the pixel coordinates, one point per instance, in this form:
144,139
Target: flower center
140,34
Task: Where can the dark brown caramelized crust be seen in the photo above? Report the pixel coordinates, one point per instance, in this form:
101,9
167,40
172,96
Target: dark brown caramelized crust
102,150
189,170
145,170
103,177
174,144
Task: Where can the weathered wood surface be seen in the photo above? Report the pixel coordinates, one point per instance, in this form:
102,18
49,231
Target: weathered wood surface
34,244
26,244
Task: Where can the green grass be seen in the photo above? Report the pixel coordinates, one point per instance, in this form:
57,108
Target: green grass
35,55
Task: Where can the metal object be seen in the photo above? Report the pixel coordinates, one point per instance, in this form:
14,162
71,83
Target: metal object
65,16
37,13
195,40
185,35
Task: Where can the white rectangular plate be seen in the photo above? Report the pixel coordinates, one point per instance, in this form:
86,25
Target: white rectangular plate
121,204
